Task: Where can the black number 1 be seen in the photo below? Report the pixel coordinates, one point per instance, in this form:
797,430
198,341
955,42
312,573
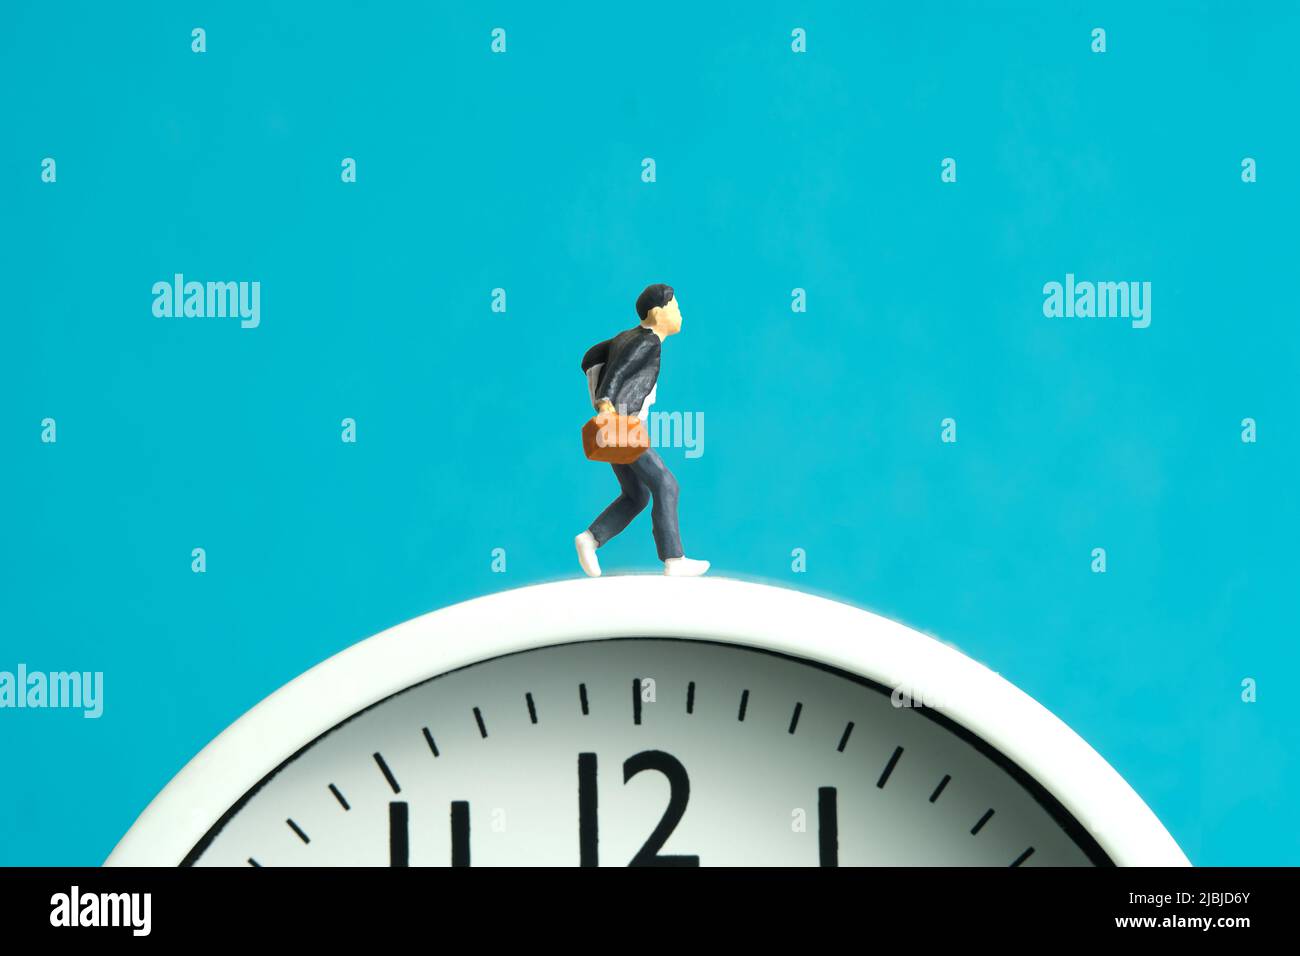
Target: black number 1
828,827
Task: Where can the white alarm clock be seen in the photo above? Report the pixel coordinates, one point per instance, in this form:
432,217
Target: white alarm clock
648,720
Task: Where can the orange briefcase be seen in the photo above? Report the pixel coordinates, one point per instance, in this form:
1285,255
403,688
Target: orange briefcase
617,439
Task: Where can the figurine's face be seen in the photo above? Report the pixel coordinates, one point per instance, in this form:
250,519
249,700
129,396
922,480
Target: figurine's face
667,319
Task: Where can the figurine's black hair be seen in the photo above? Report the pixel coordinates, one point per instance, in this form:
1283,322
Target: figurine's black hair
654,297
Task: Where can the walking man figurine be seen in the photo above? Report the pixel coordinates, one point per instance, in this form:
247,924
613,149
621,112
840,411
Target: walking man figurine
621,375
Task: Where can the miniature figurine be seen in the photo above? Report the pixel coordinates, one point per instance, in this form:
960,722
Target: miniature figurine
622,375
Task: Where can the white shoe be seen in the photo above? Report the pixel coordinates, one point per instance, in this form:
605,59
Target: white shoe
586,545
685,567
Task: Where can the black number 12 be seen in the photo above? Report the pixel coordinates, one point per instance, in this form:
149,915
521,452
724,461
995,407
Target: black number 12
679,793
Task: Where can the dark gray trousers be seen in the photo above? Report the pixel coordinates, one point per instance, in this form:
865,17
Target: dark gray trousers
647,477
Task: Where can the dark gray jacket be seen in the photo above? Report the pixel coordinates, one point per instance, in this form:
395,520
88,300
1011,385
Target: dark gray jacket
630,363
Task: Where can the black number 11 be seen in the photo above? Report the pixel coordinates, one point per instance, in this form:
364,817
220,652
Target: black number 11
399,833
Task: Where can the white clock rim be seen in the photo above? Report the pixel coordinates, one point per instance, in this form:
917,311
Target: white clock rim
718,609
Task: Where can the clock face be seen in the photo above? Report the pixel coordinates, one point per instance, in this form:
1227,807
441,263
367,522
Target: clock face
643,750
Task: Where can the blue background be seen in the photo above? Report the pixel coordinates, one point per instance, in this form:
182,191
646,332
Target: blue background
775,171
